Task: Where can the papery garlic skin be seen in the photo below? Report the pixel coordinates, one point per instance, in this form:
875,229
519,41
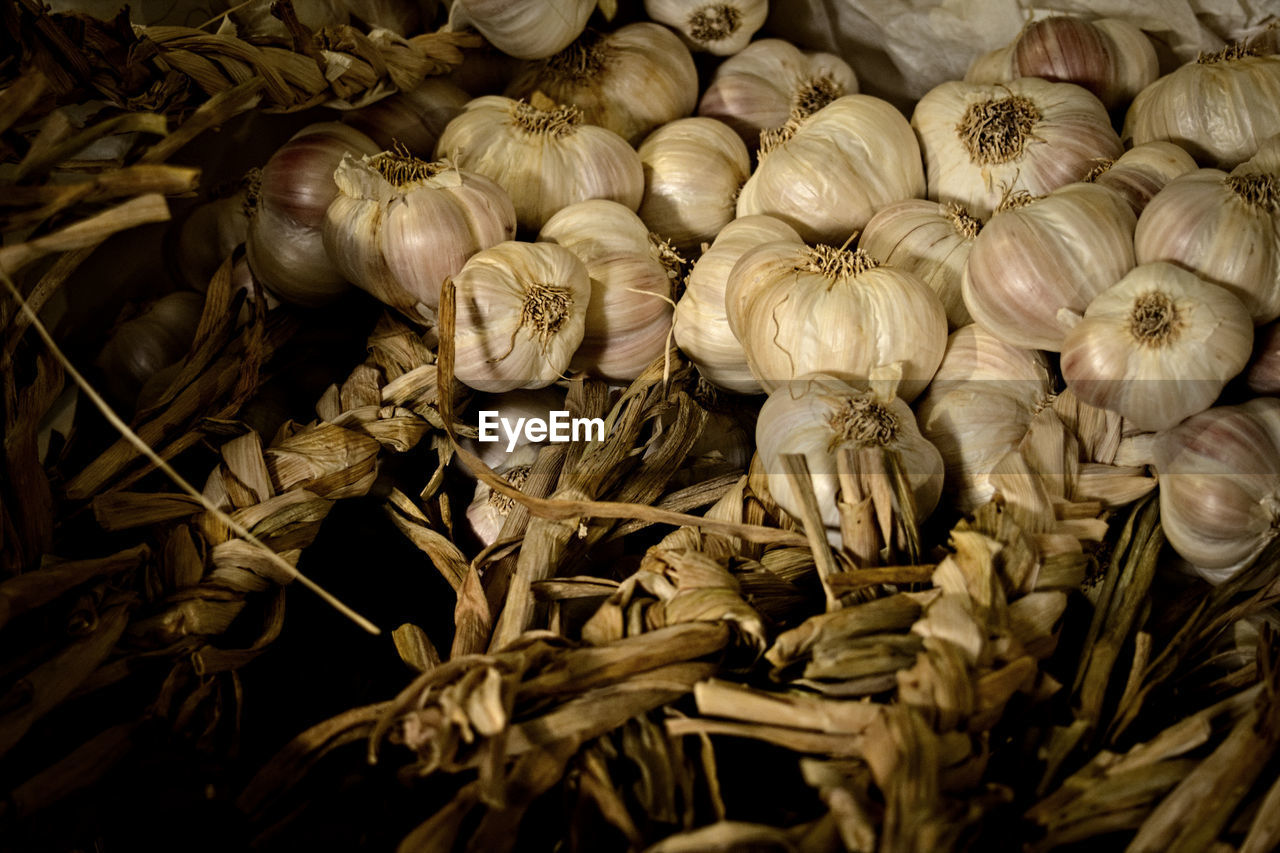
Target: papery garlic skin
528,29
979,407
819,417
631,80
411,120
693,170
984,142
284,242
488,509
701,324
546,159
827,174
928,239
400,226
1219,477
1110,57
1141,172
771,81
521,313
1035,268
1224,228
632,274
1157,346
798,309
1219,108
719,28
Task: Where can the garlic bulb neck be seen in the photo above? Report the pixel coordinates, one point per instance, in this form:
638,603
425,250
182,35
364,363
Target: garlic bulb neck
517,477
1231,52
557,121
672,261
966,224
545,309
1016,200
1257,189
1102,166
772,137
837,264
401,169
862,422
997,130
715,22
1155,320
580,61
814,93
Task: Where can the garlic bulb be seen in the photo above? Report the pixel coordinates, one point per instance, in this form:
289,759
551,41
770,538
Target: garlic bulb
1220,107
801,309
521,312
693,170
983,142
819,417
1263,375
931,240
771,81
1157,346
141,347
411,120
1142,171
1110,57
1225,228
512,405
701,325
546,159
1039,262
529,29
632,272
978,408
1267,159
631,80
284,244
826,175
722,28
1220,484
994,66
211,232
400,226
488,509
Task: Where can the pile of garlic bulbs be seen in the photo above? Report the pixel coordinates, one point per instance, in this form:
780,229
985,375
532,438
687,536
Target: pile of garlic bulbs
1065,218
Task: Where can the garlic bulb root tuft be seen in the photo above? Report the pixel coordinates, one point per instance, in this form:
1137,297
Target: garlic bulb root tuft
862,422
1155,320
998,130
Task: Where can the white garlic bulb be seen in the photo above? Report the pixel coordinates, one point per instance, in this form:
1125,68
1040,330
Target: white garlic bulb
819,417
983,142
979,407
721,28
701,325
1219,477
143,346
488,509
1225,228
400,226
632,273
1039,262
1142,171
211,232
801,309
1157,346
929,239
1110,57
772,81
521,312
636,78
411,120
826,175
546,159
693,170
284,244
529,29
1220,107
